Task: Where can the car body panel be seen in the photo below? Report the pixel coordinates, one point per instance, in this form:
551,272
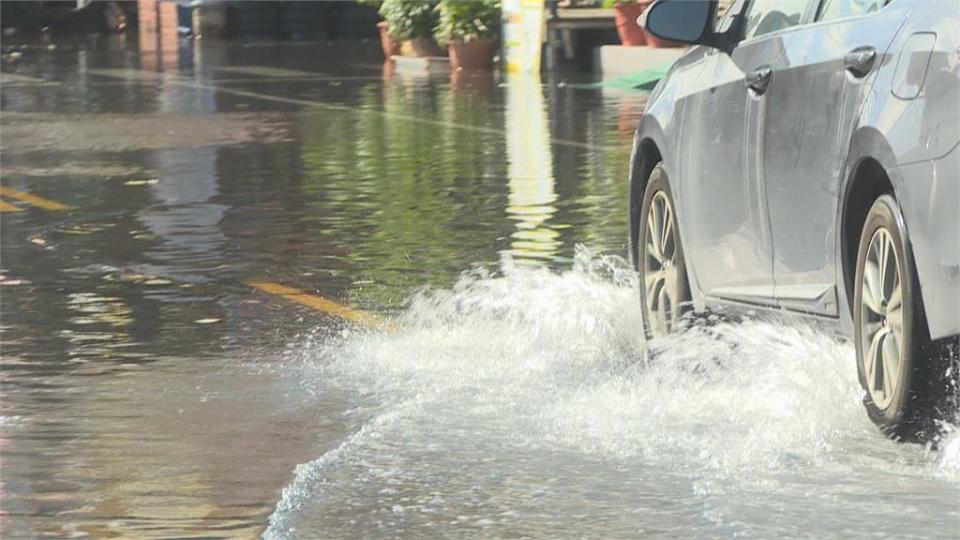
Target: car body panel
929,199
915,138
660,124
903,115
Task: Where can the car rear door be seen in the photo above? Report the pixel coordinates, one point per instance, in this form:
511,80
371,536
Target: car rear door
816,89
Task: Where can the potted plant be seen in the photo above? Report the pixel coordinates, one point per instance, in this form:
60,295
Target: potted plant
626,13
470,30
412,22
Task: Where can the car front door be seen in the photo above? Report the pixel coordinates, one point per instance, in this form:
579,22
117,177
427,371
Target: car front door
816,89
727,236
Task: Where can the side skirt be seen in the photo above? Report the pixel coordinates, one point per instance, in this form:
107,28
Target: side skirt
739,311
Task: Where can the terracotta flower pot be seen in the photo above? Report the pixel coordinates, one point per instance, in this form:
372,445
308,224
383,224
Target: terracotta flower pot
390,44
420,47
626,15
472,54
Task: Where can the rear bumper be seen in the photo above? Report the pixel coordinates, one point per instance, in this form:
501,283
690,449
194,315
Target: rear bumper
930,200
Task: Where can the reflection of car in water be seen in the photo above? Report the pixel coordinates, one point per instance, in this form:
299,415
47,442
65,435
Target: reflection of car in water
804,157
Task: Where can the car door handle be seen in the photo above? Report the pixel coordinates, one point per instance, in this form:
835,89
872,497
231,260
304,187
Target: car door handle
860,61
759,79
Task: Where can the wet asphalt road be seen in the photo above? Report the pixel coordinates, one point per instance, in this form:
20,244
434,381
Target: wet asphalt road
147,387
278,289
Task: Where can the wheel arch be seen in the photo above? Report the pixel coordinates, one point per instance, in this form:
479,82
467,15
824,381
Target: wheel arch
872,172
868,181
648,151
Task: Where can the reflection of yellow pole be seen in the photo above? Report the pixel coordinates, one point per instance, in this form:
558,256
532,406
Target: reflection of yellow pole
531,182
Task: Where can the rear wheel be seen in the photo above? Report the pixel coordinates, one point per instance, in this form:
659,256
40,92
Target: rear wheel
894,360
664,290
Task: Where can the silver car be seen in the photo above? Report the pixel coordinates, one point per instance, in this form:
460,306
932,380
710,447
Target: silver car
803,157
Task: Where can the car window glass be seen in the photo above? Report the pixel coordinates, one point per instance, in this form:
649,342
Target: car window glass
725,12
766,16
838,9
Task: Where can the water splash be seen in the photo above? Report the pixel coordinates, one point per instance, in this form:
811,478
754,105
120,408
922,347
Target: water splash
520,403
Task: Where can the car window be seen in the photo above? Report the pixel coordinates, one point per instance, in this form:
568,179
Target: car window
838,9
726,11
766,16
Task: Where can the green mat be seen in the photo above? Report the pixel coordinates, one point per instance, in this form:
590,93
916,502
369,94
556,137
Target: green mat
644,79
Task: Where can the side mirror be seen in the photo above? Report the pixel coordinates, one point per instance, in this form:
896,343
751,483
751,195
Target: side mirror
687,21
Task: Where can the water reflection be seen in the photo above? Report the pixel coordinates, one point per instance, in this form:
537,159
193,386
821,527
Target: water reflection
123,414
530,174
184,218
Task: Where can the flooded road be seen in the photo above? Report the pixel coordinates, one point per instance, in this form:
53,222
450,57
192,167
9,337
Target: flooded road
280,290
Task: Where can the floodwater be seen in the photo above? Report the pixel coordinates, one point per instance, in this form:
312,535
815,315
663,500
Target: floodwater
150,392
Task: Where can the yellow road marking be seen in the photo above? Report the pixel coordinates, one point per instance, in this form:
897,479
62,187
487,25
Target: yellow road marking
7,207
320,303
39,202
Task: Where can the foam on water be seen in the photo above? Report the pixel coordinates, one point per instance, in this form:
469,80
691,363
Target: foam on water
521,404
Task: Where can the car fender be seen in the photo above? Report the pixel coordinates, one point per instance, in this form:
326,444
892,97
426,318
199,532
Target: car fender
924,191
661,126
650,134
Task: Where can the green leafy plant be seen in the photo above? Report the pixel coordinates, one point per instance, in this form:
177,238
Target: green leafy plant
375,4
410,19
468,20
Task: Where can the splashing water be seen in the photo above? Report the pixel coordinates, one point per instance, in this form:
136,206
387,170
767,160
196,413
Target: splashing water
520,404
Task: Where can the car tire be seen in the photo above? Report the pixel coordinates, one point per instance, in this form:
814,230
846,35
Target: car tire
664,288
895,363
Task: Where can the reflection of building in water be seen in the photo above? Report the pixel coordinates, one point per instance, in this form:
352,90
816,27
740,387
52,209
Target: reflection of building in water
531,182
185,218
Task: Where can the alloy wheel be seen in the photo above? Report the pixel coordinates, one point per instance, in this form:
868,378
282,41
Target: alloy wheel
881,318
661,291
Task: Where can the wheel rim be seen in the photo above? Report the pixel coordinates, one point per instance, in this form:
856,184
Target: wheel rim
881,319
661,293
